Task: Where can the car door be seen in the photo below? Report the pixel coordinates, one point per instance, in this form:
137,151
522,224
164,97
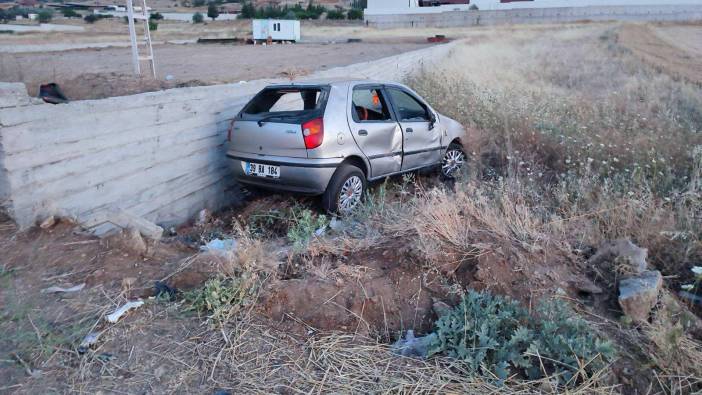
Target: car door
375,130
422,141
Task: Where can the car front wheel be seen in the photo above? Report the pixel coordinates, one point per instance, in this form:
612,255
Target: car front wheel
453,162
345,190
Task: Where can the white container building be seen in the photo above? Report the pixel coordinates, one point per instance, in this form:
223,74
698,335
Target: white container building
276,29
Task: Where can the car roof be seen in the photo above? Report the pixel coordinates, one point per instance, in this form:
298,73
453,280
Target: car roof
333,82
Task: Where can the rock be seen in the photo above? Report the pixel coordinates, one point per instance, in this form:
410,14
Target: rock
134,241
584,285
48,222
622,255
639,294
129,240
440,308
128,282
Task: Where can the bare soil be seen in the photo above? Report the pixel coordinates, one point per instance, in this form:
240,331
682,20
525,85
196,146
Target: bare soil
97,73
674,50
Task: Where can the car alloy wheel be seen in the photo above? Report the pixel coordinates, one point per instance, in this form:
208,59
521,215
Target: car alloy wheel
453,162
350,194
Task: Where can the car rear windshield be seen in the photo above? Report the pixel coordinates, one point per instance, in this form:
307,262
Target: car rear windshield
290,102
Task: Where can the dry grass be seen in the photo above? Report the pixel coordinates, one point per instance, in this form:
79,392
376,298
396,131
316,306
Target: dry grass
251,357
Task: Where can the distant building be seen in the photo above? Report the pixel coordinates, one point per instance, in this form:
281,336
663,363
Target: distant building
276,29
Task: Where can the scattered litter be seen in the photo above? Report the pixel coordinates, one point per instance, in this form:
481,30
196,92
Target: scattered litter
48,222
117,314
33,373
169,77
51,93
162,289
88,341
219,246
413,346
55,289
203,217
320,231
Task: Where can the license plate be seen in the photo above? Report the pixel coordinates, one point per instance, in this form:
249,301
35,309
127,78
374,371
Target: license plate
261,170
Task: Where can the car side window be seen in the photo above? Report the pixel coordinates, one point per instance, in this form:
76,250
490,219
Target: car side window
369,105
408,108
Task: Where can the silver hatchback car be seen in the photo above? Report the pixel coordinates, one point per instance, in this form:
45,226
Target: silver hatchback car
331,137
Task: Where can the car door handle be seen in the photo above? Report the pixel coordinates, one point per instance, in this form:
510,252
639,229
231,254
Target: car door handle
363,132
409,130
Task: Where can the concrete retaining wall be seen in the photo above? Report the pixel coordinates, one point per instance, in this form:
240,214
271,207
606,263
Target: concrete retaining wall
690,12
157,155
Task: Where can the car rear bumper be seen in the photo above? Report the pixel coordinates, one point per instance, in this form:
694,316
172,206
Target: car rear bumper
300,175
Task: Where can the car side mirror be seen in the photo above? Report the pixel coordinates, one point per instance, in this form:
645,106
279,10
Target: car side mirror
432,120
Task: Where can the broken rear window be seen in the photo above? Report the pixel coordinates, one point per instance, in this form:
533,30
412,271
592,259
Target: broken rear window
287,100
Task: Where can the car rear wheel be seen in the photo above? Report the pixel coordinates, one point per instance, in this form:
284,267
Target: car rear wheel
453,162
345,190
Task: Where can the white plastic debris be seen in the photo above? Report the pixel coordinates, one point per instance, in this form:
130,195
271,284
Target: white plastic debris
56,289
219,246
169,77
203,217
117,314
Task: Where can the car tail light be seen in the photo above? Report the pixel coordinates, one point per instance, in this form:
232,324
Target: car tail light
313,133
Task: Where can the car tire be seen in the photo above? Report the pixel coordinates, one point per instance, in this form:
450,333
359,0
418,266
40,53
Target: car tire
349,180
453,161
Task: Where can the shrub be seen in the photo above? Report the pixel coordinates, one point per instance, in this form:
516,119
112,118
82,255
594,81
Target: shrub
335,14
156,16
153,25
248,10
222,297
198,18
70,13
212,11
496,337
473,7
91,18
303,227
45,16
198,3
355,14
